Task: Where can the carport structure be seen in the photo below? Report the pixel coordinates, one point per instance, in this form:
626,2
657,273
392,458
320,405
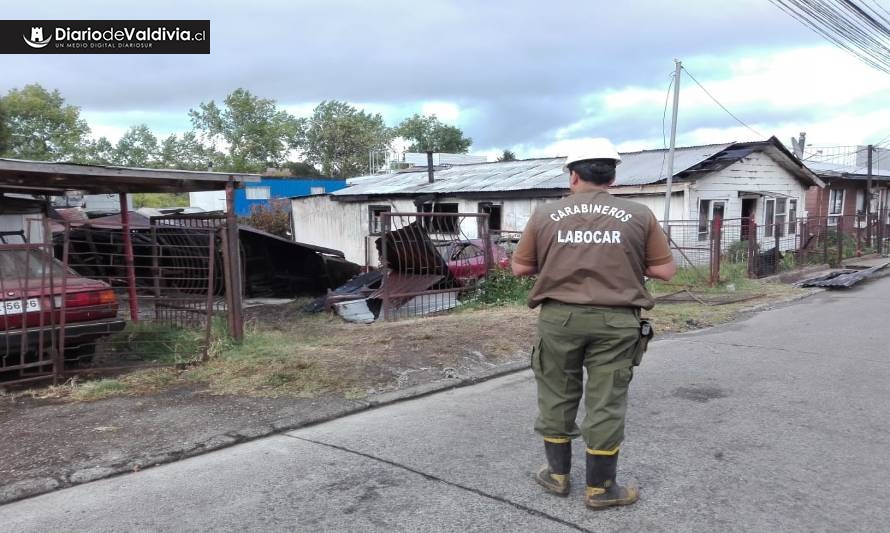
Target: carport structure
53,178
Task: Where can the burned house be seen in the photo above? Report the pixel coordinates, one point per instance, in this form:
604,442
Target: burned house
759,181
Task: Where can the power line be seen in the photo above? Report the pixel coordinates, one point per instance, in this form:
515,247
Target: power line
858,29
667,98
723,107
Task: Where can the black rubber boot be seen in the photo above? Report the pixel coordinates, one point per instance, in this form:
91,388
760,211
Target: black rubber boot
602,488
554,476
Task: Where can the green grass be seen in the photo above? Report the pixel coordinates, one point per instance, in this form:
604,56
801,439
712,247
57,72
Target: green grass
501,287
698,279
99,389
162,343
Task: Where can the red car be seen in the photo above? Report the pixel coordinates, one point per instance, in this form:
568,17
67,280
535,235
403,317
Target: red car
31,302
466,259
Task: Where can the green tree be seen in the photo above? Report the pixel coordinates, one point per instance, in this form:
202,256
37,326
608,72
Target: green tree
428,133
186,152
339,137
100,152
4,130
257,133
42,127
302,169
138,147
507,156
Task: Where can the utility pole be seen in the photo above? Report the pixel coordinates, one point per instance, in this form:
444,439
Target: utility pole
871,148
670,174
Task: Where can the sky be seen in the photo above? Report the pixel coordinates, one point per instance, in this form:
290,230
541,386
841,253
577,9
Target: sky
538,78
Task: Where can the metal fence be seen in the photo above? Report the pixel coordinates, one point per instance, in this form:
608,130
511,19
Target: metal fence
84,303
432,261
766,249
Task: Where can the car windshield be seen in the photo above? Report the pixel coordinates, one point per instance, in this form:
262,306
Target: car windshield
20,264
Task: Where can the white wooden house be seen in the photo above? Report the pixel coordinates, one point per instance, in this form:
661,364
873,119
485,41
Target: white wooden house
754,179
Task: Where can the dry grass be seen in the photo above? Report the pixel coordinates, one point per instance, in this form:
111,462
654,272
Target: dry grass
289,353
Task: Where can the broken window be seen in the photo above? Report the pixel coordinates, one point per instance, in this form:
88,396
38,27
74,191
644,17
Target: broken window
704,208
441,224
375,221
494,215
707,211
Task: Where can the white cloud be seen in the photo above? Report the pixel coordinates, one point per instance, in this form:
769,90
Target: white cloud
447,112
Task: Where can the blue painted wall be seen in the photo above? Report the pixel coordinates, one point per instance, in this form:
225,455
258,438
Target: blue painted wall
282,188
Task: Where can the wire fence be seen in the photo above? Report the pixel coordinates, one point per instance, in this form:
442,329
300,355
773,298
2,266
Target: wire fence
767,249
82,303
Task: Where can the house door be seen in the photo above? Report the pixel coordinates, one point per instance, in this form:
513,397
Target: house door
749,206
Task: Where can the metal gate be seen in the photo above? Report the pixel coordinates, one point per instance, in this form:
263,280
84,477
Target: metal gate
84,303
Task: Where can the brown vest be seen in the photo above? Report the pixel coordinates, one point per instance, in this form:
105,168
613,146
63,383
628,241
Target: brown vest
591,250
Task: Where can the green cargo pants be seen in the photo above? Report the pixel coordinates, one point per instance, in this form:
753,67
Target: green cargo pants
571,338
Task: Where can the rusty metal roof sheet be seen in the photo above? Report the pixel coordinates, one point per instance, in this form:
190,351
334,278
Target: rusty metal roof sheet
636,168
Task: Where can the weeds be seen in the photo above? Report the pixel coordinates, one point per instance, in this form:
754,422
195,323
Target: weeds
501,287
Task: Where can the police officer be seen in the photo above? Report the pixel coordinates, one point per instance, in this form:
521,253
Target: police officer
590,251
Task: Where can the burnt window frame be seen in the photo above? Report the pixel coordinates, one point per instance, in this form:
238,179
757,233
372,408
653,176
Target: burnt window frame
374,217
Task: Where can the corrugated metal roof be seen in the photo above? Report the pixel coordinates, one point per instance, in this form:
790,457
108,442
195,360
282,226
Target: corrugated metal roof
636,168
830,168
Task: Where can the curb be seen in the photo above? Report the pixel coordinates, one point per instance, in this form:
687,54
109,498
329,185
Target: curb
29,488
32,487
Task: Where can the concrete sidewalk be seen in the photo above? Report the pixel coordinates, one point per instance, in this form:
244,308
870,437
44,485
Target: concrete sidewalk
778,422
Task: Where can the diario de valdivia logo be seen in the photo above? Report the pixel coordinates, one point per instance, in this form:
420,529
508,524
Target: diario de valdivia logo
105,36
37,40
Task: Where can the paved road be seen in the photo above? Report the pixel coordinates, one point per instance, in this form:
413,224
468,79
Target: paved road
776,423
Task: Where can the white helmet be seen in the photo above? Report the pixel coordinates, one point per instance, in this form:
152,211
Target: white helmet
594,149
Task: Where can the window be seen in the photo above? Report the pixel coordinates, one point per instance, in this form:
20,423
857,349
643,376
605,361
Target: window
316,190
779,215
708,210
375,221
258,193
441,224
792,216
860,202
494,214
835,201
835,205
769,216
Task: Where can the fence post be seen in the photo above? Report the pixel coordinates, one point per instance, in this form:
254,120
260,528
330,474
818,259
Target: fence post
859,235
716,235
803,237
825,242
482,230
882,216
385,225
234,249
840,239
752,248
776,251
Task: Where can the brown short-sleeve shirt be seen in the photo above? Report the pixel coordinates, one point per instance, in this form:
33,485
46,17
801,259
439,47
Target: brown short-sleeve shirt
592,248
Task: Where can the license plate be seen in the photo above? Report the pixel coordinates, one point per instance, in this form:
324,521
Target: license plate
14,307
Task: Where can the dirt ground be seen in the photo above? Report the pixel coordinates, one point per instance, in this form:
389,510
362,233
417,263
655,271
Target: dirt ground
293,369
